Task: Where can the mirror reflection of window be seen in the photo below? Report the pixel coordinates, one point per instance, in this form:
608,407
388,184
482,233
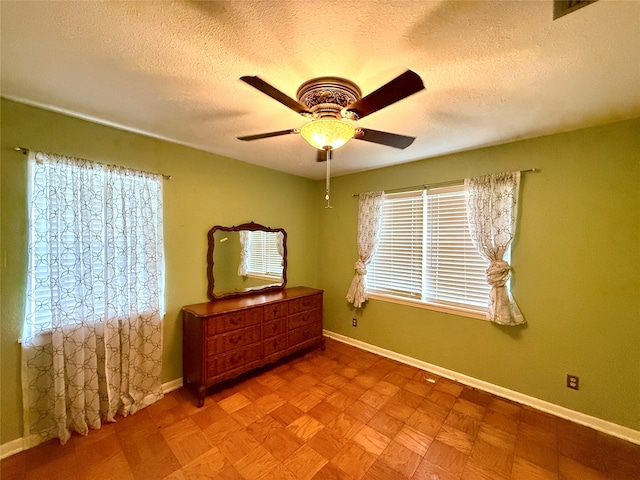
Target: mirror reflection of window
263,255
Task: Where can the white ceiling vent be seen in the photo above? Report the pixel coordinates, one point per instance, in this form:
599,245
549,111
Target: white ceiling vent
563,7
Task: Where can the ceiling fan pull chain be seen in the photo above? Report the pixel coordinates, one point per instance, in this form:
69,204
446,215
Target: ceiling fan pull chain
328,182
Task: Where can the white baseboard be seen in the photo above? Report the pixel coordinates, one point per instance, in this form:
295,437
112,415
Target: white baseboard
172,385
19,444
604,426
11,448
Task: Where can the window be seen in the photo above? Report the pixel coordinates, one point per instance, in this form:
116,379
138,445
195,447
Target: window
264,259
426,254
95,248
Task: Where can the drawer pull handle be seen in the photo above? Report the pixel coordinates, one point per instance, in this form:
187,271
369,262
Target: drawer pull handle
275,311
234,321
233,360
275,344
234,340
275,328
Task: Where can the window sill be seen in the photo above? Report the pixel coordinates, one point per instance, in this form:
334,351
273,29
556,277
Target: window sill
259,276
460,311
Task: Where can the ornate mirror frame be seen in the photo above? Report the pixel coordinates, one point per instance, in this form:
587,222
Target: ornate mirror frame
251,290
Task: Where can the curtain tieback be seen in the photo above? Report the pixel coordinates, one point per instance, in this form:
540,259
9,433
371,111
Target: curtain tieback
360,267
498,273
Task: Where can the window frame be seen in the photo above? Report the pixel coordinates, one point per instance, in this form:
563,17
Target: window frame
466,310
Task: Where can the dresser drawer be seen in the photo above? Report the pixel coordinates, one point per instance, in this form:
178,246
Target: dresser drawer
275,327
305,318
305,303
235,339
274,344
233,321
277,310
300,335
234,359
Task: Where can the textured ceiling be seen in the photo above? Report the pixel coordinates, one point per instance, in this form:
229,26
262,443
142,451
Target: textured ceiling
494,71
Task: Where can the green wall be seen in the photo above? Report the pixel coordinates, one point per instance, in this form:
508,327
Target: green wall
576,256
576,260
205,190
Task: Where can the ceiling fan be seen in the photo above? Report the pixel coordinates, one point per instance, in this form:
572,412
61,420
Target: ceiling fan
328,101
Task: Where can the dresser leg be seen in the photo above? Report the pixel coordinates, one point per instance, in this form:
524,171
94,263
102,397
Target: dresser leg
202,390
322,344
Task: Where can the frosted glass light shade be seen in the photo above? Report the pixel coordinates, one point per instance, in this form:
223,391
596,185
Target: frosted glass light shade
327,132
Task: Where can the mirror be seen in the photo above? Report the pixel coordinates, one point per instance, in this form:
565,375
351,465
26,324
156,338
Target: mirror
246,259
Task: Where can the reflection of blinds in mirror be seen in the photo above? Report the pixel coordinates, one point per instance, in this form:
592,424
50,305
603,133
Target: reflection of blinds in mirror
264,259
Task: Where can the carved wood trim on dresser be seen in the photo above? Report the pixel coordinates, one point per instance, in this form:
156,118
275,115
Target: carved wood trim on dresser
225,338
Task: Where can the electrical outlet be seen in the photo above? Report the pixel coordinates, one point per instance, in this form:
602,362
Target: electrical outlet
573,382
354,322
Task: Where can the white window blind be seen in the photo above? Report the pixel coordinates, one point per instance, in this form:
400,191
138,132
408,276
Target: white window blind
426,252
264,259
455,270
397,266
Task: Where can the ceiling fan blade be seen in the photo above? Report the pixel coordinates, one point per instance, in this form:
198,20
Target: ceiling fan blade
322,155
248,138
384,138
276,94
400,87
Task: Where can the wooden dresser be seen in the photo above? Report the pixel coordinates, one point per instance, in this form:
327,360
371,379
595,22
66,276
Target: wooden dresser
225,338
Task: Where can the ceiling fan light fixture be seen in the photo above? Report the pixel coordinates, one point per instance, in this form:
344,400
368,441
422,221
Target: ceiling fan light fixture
327,133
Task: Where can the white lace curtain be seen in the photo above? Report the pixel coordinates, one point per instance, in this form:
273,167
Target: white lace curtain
243,266
369,219
92,338
492,206
280,246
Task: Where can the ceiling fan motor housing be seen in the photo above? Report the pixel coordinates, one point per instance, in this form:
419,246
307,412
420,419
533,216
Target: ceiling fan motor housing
328,96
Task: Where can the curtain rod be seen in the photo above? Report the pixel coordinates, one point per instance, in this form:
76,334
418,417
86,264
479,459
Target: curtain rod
25,151
436,185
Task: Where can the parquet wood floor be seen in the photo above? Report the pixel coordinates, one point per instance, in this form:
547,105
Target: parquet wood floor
339,414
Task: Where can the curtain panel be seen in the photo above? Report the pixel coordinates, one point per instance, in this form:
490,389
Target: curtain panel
92,337
245,246
492,207
369,218
280,246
